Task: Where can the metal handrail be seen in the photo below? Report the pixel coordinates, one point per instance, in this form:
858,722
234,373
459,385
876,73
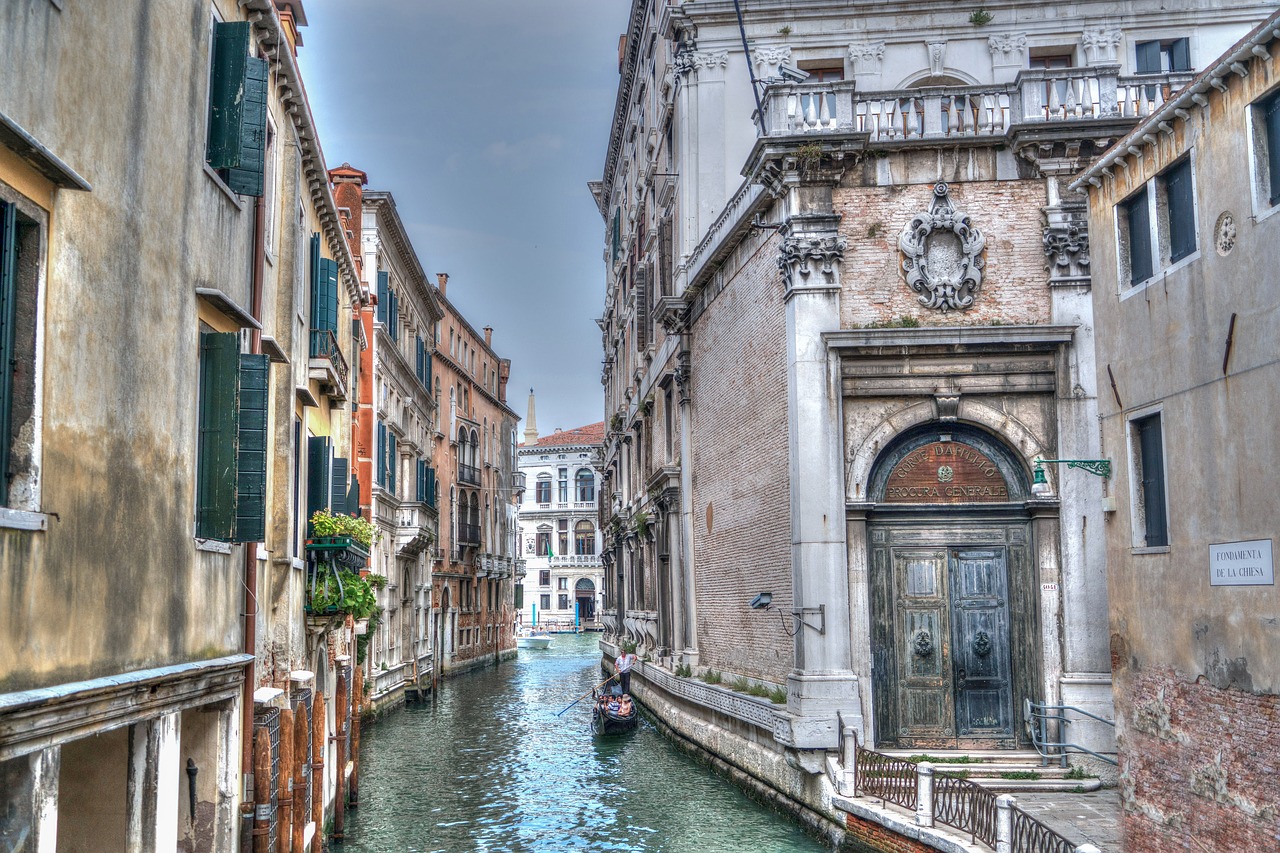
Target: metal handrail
1038,715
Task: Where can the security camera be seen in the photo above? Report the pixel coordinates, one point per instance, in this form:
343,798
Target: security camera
795,75
761,601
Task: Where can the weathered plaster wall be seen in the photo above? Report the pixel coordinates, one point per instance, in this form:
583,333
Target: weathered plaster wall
117,582
741,504
1197,667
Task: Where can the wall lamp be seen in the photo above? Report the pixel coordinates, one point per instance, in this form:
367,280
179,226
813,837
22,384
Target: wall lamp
1040,485
764,601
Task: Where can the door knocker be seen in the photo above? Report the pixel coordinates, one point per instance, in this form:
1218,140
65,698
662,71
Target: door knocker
922,643
982,644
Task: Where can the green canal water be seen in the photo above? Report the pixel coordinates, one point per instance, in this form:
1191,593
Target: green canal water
492,768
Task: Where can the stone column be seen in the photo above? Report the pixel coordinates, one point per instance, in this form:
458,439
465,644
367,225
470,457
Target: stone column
688,588
687,164
153,785
822,685
710,165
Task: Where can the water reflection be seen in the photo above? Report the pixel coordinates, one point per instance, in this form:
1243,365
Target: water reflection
492,768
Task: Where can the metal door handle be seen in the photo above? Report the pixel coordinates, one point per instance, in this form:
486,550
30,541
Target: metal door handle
960,674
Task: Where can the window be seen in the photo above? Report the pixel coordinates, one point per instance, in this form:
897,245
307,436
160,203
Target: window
231,466
586,486
544,543
564,485
21,255
563,530
1266,150
564,602
1150,519
543,489
236,145
546,602
544,577
1157,224
562,583
584,539
821,107
1160,57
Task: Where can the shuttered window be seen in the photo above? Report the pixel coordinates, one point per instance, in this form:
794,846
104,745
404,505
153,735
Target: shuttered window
391,462
382,454
339,485
1150,443
8,299
1271,117
231,469
318,474
384,298
1181,212
1138,219
237,138
431,486
324,296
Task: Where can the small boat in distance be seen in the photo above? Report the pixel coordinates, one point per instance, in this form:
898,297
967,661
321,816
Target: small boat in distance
614,713
533,640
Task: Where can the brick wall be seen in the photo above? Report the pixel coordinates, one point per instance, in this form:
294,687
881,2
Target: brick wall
1013,289
1199,765
741,498
874,837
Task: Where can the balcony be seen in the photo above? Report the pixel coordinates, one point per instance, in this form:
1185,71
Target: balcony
468,475
342,551
565,560
468,534
415,524
327,364
1038,97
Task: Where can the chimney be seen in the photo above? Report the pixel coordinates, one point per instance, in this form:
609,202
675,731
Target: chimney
488,336
443,279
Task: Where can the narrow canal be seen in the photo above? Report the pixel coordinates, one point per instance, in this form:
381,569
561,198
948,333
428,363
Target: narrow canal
492,768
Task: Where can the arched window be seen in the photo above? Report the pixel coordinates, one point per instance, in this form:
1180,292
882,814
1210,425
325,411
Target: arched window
475,440
585,483
584,538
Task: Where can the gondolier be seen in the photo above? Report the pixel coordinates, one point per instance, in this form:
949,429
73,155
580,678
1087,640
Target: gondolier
624,662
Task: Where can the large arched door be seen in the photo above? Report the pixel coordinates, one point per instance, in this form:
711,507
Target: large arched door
585,592
955,634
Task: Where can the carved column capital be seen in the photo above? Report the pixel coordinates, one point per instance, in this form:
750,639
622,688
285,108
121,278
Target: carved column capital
1066,245
802,253
683,374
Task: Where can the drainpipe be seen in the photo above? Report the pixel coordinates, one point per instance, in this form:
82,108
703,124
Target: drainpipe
251,548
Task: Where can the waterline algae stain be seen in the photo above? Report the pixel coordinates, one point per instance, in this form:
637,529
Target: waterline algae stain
491,768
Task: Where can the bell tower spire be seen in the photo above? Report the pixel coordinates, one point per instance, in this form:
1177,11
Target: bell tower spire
530,424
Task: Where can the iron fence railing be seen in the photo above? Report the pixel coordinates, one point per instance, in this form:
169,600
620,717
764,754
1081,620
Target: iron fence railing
891,779
468,474
939,797
324,344
966,806
1040,719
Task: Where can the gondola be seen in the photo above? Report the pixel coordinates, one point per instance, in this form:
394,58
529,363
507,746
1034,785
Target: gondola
614,713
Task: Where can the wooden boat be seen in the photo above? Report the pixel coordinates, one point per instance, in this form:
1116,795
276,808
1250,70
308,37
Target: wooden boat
614,712
533,640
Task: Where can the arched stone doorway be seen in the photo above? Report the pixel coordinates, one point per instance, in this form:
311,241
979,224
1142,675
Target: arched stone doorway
585,592
955,629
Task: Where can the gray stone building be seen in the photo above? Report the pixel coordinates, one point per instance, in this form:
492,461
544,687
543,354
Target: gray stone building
1185,254
847,317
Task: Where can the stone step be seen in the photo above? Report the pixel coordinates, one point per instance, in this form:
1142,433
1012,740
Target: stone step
975,755
1043,786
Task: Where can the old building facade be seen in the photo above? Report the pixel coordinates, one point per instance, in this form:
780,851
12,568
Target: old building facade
868,270
559,535
473,582
156,625
1188,315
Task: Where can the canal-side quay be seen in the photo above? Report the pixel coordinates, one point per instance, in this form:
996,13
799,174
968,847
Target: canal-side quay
490,766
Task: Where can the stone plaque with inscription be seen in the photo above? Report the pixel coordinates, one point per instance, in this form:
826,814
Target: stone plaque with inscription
946,472
1241,564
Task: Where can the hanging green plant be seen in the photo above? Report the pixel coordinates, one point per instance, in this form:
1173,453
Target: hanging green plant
342,592
325,524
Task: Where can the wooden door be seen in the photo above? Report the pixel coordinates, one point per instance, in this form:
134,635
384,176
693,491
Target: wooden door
923,637
980,646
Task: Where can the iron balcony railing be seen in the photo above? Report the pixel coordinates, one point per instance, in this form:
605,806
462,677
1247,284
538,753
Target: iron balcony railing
324,344
468,474
469,534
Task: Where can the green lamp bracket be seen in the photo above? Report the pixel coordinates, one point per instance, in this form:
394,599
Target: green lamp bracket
1097,467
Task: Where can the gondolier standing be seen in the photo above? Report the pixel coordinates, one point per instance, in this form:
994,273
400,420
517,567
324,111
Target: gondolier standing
624,662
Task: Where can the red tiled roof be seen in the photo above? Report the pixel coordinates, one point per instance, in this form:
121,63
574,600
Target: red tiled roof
590,434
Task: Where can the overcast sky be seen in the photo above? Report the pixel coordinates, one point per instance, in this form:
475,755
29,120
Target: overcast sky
485,120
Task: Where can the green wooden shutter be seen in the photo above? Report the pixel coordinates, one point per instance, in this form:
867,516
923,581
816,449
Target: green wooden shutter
217,465
338,493
1180,55
1148,57
226,95
316,292
431,486
326,306
1140,261
246,178
391,462
251,454
384,297
8,297
317,474
382,454
1181,210
353,495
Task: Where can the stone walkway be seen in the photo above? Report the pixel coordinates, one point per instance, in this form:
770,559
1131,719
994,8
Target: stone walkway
1094,817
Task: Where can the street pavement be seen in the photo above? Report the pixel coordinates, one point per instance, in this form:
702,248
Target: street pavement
1093,817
